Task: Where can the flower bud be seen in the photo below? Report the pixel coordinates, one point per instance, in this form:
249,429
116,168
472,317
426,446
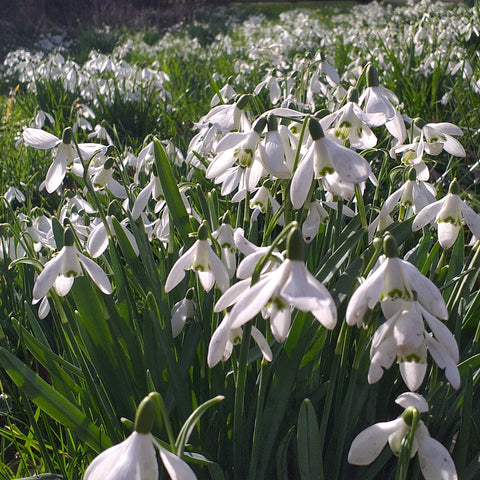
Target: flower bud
243,101
272,122
372,77
352,95
390,247
145,416
202,233
409,414
295,245
68,237
316,130
67,136
454,187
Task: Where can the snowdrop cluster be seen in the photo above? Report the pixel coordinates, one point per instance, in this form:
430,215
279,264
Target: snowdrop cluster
292,154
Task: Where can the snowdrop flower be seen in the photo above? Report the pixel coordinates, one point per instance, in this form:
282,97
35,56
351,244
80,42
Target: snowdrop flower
403,337
350,124
224,235
435,461
236,148
181,312
40,119
227,118
261,201
272,150
376,98
414,195
135,458
61,270
65,156
439,136
101,133
102,179
317,215
200,258
290,285
392,282
270,83
227,93
14,194
448,214
224,338
154,190
98,238
326,157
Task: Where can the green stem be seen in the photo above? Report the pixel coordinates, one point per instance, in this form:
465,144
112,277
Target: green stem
239,409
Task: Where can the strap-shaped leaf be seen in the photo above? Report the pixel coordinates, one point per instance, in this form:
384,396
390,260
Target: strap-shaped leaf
52,402
309,443
176,208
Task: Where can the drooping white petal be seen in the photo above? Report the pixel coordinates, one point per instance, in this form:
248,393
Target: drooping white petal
301,182
413,374
350,166
255,298
219,270
142,200
216,347
411,399
132,459
63,285
36,138
96,273
428,294
97,241
177,272
471,218
177,469
55,175
435,461
368,444
280,321
365,296
262,344
427,215
306,293
48,276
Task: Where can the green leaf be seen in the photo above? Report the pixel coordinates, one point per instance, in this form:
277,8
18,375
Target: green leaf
52,403
191,421
309,443
176,208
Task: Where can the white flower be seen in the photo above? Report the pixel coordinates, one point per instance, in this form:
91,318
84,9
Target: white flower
14,194
66,153
227,118
181,312
326,157
435,461
378,99
276,292
392,282
203,261
102,179
61,270
135,458
224,338
352,124
101,133
132,459
98,238
414,195
448,214
403,337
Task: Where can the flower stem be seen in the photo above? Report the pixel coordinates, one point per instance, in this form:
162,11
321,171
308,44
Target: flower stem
239,409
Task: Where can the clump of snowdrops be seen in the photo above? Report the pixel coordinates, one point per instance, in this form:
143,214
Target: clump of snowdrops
290,293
